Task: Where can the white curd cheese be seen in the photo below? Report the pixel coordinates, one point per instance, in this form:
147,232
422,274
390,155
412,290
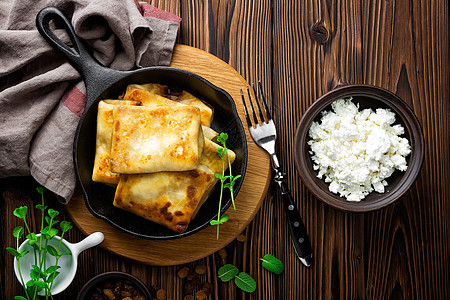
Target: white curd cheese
357,150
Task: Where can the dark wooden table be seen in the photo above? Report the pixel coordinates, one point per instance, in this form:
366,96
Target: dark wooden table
300,50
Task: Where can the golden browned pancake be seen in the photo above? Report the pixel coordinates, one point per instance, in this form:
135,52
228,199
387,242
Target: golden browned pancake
206,110
152,88
167,198
101,171
171,199
147,97
146,94
209,133
148,139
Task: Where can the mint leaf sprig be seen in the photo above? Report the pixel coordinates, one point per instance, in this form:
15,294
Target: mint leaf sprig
242,280
42,277
272,264
223,152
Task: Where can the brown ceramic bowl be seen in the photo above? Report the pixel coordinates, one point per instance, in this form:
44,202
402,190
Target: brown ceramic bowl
367,97
98,281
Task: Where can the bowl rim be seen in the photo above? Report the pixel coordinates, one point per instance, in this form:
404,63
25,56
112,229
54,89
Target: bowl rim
399,107
83,293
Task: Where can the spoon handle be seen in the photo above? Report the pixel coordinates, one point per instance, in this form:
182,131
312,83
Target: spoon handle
90,241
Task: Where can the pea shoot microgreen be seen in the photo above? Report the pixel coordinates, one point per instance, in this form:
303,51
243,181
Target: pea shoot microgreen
226,181
42,276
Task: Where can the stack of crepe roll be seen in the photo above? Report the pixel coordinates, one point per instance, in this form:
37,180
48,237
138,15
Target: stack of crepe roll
158,150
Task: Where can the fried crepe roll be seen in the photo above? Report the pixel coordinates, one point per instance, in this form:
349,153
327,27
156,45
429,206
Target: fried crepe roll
171,199
148,139
101,172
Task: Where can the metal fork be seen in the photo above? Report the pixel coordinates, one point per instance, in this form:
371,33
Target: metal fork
265,136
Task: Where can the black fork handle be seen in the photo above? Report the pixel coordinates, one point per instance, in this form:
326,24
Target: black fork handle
297,229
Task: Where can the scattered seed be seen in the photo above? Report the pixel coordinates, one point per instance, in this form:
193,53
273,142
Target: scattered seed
125,294
195,281
109,293
191,275
118,283
223,253
207,287
241,238
183,272
188,288
200,269
117,291
200,295
161,294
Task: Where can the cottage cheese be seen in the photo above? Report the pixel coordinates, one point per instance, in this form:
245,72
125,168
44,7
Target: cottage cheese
357,150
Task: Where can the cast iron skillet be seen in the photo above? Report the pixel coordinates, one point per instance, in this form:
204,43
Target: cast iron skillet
105,83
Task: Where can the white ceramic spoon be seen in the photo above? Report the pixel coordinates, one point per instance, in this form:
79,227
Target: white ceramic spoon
68,263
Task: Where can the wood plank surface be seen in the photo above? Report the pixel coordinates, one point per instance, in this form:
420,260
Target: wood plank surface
300,50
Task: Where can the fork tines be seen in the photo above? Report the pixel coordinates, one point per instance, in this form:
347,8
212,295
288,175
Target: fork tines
264,105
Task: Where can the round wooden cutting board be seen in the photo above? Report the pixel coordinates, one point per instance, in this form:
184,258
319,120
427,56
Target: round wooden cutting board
248,201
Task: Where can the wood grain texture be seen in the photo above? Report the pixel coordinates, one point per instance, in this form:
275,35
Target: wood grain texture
300,50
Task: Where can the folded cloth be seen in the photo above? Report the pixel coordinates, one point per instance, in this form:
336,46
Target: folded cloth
41,95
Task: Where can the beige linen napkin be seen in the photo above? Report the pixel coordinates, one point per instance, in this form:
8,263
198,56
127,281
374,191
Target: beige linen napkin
41,95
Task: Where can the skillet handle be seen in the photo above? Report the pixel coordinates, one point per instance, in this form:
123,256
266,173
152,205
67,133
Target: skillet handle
96,76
